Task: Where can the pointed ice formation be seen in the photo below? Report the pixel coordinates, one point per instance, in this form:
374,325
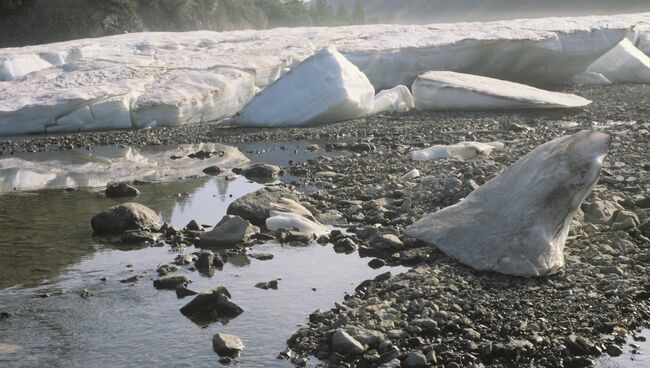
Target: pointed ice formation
518,222
322,89
625,63
397,99
457,91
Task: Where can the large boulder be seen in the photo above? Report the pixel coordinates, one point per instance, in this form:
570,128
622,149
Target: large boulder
324,88
256,207
229,232
518,222
212,306
440,90
123,217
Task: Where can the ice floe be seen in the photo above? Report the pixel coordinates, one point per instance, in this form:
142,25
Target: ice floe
397,99
88,169
518,222
147,79
625,63
458,151
324,88
444,90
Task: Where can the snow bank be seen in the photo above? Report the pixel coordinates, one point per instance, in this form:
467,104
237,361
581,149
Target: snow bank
459,151
458,91
518,222
398,99
624,64
324,88
146,79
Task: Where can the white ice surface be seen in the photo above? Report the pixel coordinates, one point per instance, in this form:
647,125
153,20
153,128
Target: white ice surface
324,88
518,222
625,63
291,221
44,85
458,151
397,99
454,91
82,168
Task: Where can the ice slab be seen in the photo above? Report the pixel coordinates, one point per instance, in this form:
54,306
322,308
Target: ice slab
89,169
397,99
458,151
291,221
324,88
43,86
624,64
640,37
591,78
459,91
518,222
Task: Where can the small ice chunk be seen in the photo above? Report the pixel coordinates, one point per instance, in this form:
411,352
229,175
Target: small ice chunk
457,91
324,88
591,79
398,99
415,173
625,63
13,67
459,151
291,221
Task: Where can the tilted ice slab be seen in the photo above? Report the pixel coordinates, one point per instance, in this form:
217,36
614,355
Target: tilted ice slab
459,151
89,169
397,99
518,222
324,88
458,91
107,79
624,64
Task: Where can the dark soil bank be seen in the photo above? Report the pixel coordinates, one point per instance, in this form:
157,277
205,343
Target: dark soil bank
441,312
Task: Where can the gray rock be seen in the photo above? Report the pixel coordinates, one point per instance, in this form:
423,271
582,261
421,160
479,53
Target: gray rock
255,206
273,284
185,259
194,226
599,212
229,232
127,216
365,336
170,282
261,256
345,344
227,345
137,237
120,190
212,170
624,220
212,306
415,360
262,171
182,292
205,260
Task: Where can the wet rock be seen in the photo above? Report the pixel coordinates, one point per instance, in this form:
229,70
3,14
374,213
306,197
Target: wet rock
212,170
120,190
255,207
261,256
614,350
170,282
376,263
132,279
579,345
127,216
229,232
183,292
185,259
262,171
166,270
212,306
205,260
5,315
137,237
345,344
273,284
227,345
194,226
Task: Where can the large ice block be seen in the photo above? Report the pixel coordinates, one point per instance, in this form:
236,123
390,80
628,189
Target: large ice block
458,91
324,88
624,64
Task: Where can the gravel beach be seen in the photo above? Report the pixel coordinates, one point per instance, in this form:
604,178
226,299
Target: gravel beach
441,312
